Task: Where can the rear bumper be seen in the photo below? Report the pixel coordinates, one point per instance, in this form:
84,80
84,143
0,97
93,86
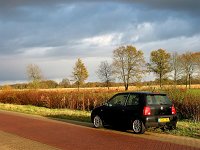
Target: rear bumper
152,121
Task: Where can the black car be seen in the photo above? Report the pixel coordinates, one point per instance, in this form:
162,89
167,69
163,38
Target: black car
136,111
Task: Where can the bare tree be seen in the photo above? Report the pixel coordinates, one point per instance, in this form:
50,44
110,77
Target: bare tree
80,73
188,65
176,67
104,73
128,64
196,57
34,72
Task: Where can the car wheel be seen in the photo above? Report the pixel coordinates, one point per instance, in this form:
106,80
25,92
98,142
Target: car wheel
138,126
97,122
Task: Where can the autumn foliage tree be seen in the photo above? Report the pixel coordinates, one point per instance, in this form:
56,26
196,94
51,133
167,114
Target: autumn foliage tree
80,73
128,64
159,64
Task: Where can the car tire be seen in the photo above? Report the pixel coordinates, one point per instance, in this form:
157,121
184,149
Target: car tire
138,126
97,122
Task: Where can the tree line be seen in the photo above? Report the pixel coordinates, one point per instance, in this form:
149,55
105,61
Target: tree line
128,67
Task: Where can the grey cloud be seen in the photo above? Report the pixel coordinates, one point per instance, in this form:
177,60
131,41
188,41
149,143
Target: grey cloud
12,68
190,5
61,24
183,5
58,27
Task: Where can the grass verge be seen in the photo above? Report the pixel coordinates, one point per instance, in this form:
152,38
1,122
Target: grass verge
184,128
46,112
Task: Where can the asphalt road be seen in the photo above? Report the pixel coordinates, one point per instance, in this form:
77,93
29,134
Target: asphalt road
76,137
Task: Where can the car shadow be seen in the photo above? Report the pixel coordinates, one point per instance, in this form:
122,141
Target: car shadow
66,119
85,124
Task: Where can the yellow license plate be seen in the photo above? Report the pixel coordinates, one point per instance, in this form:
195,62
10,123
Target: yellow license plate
163,120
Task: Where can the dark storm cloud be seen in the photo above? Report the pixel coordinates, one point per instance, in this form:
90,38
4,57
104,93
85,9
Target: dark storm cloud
190,5
182,5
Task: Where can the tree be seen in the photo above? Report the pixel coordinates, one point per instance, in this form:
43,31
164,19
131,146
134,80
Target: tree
47,84
188,65
104,73
65,83
80,73
159,64
34,74
176,67
128,63
196,56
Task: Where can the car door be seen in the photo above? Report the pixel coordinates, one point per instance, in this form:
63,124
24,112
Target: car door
113,113
132,108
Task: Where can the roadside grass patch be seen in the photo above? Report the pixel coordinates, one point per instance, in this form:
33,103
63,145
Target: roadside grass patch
46,112
184,128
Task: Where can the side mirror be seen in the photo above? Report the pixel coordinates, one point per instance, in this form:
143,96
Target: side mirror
106,104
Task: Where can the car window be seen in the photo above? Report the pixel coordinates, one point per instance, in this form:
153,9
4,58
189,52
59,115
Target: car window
118,100
158,99
133,99
150,99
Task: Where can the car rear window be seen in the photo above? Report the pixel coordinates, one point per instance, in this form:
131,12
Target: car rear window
158,100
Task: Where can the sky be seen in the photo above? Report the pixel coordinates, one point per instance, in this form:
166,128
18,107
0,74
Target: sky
53,34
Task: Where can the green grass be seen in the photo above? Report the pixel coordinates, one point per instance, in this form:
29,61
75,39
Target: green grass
46,112
184,128
194,91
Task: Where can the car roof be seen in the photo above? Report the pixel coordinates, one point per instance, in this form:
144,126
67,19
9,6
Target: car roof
144,92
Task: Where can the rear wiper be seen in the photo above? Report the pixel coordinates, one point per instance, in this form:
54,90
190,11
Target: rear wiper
162,104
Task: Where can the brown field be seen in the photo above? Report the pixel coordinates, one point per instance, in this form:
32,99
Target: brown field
121,88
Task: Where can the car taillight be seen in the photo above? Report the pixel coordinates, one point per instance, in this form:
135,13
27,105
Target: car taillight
147,111
173,110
